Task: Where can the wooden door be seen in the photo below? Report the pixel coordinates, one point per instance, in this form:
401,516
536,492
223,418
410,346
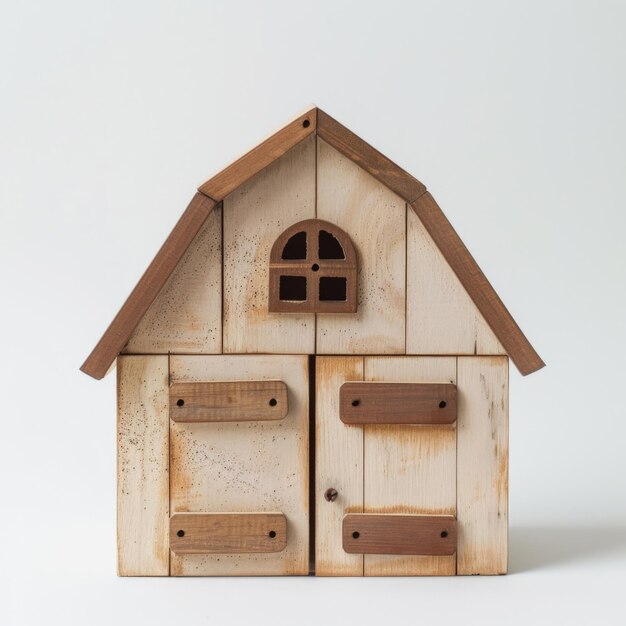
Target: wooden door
231,455
390,470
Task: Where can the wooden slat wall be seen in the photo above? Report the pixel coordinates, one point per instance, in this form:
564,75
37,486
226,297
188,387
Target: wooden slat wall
142,466
187,314
244,466
441,317
255,214
410,469
374,218
338,465
482,465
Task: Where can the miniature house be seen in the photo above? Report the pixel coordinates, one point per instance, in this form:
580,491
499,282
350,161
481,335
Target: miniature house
312,376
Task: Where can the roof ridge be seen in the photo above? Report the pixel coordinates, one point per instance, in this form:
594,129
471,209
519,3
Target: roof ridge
214,190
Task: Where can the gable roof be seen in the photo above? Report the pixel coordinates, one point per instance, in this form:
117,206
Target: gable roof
212,192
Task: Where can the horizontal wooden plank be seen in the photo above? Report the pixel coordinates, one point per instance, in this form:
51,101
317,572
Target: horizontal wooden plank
431,535
397,403
227,533
261,156
237,401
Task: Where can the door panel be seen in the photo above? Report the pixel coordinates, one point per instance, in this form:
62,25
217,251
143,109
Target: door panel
410,469
244,467
338,466
483,465
384,469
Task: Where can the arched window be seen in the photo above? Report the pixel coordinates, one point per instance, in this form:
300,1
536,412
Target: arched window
313,269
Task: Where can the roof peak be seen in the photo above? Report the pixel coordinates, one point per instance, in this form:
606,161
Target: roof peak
313,121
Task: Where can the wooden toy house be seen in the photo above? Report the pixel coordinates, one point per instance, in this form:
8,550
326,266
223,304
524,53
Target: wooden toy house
312,376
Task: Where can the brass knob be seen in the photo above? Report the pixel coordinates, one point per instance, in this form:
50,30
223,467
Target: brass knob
331,494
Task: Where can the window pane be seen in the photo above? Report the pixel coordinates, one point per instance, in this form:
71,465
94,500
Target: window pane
332,288
330,248
295,248
292,288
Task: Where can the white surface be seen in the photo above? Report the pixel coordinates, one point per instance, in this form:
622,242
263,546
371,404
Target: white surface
513,115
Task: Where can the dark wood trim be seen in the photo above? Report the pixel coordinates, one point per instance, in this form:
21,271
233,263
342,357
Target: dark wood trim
227,533
370,533
397,403
260,157
367,157
142,296
236,401
477,286
313,269
456,254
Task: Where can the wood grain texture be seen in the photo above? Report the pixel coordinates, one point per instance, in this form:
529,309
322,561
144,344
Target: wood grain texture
477,286
441,318
142,466
397,403
186,316
338,465
372,161
227,533
374,218
236,401
482,465
244,466
254,217
410,469
424,535
263,155
143,295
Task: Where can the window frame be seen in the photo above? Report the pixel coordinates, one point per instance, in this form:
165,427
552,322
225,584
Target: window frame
343,268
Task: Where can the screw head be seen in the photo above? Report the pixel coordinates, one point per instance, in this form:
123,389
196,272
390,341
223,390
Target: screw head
331,494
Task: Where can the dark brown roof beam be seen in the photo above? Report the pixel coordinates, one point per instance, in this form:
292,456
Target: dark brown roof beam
142,296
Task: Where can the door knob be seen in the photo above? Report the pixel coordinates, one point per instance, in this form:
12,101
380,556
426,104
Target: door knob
331,494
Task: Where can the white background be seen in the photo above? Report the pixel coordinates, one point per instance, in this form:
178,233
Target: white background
512,113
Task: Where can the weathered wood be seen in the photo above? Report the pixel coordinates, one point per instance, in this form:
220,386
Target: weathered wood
148,287
477,286
227,533
313,268
492,329
222,467
254,217
482,465
424,535
186,316
441,318
397,403
261,156
410,469
374,217
338,466
237,401
372,161
142,466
